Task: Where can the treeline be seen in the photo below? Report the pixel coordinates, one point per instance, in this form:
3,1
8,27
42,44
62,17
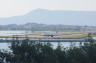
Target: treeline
37,52
45,27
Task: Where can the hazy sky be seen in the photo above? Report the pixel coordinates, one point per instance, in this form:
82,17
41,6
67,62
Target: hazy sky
19,7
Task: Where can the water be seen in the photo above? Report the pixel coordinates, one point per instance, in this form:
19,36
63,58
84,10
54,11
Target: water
5,46
8,33
64,44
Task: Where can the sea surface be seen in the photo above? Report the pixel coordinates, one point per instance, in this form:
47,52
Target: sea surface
5,46
9,33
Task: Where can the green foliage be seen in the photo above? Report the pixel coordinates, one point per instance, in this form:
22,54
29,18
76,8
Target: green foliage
36,52
89,38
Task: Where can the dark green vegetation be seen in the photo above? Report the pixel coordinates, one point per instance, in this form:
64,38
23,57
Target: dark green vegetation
37,52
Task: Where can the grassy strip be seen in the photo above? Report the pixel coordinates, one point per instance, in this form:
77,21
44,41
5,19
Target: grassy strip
65,36
73,36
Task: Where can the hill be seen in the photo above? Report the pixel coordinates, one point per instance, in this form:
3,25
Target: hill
53,17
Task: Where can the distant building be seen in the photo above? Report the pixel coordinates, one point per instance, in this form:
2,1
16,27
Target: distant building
50,34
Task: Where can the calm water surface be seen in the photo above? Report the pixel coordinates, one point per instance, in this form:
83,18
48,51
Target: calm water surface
8,33
64,44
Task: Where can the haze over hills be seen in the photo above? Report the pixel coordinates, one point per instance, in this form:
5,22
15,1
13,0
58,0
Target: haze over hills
53,17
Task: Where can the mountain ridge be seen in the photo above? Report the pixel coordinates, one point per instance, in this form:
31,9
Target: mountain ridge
53,17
